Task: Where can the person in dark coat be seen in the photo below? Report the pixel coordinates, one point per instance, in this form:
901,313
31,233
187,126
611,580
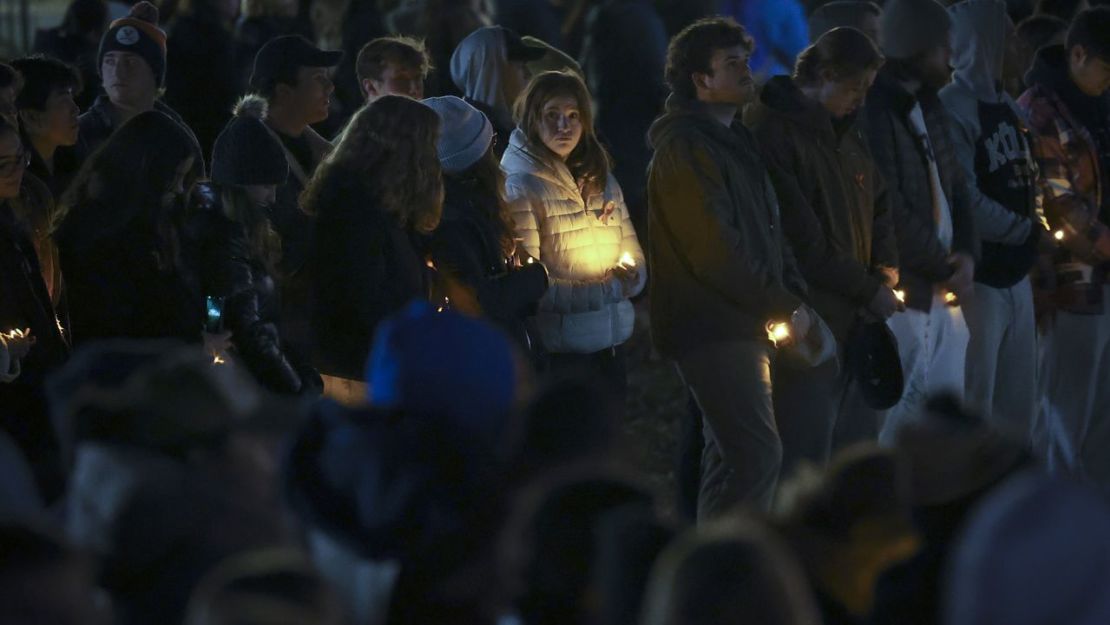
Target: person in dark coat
48,119
238,251
474,244
373,199
201,83
624,51
910,131
131,61
119,237
75,41
292,76
25,306
720,265
836,216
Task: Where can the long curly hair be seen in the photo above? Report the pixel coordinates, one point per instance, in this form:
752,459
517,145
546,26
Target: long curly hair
589,163
389,148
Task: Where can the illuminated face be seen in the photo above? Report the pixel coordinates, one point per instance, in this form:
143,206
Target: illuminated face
729,80
561,125
312,94
844,97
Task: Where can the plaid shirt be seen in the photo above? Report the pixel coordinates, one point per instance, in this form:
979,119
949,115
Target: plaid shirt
1072,189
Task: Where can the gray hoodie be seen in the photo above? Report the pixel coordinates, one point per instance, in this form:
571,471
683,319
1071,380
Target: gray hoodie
979,31
478,67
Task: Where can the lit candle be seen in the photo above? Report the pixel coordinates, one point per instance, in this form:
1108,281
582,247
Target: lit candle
216,360
1058,235
901,295
778,332
950,297
531,260
626,260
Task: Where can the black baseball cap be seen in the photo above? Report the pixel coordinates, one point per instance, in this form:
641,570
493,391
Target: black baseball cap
289,51
516,49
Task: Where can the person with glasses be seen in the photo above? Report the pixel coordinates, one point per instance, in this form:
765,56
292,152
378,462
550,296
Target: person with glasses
26,309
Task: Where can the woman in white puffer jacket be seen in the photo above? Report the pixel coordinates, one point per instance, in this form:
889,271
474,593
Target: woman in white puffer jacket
570,214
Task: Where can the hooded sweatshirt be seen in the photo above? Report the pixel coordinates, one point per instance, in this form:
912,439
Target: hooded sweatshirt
478,67
992,145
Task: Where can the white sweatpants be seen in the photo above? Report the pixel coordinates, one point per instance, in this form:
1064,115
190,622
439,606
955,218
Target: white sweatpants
1001,366
932,346
1073,423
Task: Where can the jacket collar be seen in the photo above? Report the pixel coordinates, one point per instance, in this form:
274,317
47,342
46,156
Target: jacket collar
781,97
523,156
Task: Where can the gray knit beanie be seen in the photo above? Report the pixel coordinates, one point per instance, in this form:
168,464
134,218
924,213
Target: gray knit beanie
465,134
910,27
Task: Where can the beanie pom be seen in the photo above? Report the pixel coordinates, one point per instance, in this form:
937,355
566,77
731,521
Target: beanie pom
146,12
251,106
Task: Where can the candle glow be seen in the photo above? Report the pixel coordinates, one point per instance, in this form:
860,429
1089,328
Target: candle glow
1058,235
900,295
778,332
626,260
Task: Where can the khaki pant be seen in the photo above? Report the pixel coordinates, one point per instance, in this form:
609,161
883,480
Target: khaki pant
743,453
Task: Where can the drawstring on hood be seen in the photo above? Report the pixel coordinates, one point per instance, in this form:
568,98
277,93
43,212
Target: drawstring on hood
979,31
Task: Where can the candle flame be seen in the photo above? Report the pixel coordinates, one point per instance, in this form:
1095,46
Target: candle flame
778,332
216,360
531,260
901,295
626,260
950,297
15,334
1058,235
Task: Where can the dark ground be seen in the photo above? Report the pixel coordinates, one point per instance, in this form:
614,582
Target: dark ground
657,401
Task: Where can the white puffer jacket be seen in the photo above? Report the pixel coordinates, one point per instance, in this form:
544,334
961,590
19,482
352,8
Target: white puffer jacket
583,311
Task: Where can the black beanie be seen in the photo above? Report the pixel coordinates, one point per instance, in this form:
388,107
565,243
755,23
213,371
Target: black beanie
138,33
246,152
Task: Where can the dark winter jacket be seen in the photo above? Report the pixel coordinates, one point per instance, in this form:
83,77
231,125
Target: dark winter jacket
721,267
466,247
99,122
117,287
65,168
36,210
201,83
903,164
25,303
832,199
229,269
364,267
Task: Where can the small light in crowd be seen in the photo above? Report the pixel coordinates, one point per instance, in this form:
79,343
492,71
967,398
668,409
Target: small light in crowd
216,360
15,334
531,260
778,332
626,260
950,298
446,304
1058,235
901,295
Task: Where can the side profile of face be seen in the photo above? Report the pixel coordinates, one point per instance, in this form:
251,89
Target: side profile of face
561,125
934,67
843,97
1089,72
13,162
128,79
729,80
57,122
396,79
311,96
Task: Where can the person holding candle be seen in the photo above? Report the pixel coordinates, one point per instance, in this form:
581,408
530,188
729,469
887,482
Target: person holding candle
570,212
836,215
26,309
723,274
474,245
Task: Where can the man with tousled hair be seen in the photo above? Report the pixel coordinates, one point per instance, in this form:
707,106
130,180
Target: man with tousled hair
393,65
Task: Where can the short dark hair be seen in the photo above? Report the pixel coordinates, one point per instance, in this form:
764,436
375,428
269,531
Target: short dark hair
42,76
692,49
1091,29
1063,9
1037,31
406,51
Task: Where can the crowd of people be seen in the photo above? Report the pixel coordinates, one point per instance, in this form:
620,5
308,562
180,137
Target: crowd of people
316,312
